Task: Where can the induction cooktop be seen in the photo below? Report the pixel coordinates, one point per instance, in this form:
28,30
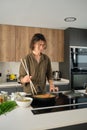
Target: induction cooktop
62,103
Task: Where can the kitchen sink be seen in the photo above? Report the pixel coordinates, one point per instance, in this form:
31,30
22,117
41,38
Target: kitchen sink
73,93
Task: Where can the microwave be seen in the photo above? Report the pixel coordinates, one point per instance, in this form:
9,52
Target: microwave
78,57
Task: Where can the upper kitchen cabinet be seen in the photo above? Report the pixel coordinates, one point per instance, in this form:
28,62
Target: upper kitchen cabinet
23,38
15,42
7,43
60,34
22,42
76,36
55,44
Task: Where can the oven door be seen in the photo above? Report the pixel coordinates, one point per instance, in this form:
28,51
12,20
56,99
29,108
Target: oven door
78,80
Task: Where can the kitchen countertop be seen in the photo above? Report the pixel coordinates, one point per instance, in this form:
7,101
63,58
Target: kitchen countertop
9,84
60,82
23,119
12,84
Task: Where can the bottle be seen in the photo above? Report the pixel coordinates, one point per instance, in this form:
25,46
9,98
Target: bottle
8,74
0,77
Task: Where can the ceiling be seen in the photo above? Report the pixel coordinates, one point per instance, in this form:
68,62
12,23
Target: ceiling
44,13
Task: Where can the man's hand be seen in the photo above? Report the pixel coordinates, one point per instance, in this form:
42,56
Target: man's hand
53,88
26,79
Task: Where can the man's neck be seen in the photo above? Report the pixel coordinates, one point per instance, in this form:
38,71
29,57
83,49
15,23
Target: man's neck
36,53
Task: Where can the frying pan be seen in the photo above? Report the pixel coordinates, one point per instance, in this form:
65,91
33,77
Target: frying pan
43,100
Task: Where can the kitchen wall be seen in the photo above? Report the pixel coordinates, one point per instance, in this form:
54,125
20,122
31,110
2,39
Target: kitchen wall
13,68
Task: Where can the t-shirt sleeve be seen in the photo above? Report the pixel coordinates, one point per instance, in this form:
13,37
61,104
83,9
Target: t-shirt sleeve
49,70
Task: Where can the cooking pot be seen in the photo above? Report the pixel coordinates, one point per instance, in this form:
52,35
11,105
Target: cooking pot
56,75
43,100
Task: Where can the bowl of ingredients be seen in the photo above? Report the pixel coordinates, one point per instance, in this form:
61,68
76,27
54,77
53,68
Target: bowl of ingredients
24,102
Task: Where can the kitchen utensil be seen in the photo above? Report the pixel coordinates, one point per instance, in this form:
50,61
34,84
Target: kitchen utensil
44,96
27,71
42,100
56,75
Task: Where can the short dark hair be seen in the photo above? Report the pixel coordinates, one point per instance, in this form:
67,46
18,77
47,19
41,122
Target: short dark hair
37,37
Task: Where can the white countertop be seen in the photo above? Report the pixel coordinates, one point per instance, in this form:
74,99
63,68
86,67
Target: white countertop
23,119
12,84
61,82
9,84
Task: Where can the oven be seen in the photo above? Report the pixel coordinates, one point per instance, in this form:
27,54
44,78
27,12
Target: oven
78,57
78,79
78,69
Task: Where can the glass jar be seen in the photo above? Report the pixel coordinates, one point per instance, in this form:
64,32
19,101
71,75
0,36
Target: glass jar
5,95
1,98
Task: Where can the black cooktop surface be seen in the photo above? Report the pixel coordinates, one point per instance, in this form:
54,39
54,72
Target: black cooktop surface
61,103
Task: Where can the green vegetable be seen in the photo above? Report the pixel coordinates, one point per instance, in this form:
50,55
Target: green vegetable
7,106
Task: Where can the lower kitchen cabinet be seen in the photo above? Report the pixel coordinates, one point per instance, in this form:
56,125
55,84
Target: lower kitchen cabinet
19,89
9,90
12,89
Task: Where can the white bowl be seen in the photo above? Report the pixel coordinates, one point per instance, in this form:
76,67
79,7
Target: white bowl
25,102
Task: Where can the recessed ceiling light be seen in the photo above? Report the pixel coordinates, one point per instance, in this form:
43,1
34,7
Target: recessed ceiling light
70,19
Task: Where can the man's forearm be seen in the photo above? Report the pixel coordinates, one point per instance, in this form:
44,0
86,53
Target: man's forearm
51,82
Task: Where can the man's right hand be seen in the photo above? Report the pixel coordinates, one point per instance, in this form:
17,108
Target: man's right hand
26,79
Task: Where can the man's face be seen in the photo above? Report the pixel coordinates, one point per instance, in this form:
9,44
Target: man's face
39,46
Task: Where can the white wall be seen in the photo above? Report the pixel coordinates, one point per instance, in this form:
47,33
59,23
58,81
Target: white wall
13,68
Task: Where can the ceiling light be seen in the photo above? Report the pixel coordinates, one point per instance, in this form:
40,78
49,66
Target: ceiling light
70,19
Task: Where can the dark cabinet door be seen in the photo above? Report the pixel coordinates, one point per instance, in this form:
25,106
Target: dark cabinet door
72,37
76,36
